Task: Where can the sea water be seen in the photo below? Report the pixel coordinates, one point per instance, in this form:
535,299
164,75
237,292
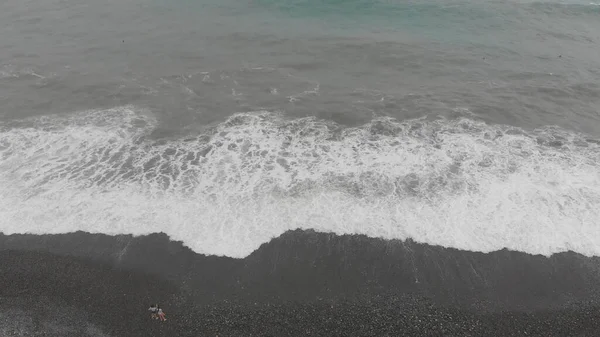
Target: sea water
466,124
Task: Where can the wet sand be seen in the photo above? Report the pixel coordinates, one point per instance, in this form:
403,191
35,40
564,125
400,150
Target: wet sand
300,284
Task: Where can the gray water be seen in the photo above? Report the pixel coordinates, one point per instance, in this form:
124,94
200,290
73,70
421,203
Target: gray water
522,63
470,124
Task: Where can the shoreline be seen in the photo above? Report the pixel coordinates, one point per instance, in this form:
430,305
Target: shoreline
301,283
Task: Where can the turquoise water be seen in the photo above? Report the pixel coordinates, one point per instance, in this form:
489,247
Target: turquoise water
517,62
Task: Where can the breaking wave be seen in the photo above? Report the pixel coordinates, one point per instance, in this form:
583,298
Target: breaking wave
457,183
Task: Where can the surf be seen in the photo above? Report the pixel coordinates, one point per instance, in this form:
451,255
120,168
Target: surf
234,185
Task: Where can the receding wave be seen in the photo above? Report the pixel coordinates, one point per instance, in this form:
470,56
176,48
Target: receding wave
456,183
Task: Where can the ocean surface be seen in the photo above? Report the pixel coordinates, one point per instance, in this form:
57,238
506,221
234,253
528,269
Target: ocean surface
467,124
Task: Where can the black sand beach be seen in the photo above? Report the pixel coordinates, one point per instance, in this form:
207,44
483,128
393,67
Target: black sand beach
300,284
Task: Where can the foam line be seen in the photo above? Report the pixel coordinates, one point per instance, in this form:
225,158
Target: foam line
456,183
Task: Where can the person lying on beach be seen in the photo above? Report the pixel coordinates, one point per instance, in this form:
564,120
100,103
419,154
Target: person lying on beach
161,314
153,311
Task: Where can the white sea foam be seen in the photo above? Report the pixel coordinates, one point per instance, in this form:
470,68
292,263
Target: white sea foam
456,183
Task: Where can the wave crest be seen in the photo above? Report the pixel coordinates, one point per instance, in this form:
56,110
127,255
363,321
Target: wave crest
457,183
